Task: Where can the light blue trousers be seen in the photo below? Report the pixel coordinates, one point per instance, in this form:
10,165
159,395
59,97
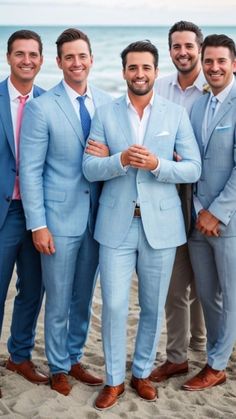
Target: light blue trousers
69,277
154,269
214,264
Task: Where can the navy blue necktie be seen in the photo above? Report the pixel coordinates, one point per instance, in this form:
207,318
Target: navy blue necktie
84,116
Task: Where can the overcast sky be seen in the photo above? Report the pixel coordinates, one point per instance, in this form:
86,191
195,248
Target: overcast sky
111,12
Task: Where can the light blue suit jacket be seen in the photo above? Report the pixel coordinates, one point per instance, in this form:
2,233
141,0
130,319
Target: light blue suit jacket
168,129
216,189
7,150
53,188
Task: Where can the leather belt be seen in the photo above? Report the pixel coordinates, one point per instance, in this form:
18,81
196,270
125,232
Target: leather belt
137,212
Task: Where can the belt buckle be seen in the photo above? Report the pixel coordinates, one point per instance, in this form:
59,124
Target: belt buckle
137,212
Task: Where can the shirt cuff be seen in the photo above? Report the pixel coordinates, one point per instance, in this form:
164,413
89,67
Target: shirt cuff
156,171
38,228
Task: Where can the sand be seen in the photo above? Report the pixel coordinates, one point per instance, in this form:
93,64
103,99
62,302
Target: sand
21,399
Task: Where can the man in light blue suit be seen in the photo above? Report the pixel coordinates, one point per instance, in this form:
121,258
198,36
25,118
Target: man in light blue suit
140,221
213,241
24,56
60,206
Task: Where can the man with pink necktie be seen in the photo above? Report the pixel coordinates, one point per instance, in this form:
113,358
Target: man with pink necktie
24,56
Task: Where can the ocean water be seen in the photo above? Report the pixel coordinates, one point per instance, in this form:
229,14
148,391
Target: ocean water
107,43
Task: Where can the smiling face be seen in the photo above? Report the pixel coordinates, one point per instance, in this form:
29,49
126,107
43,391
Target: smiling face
218,67
25,61
75,62
140,73
185,51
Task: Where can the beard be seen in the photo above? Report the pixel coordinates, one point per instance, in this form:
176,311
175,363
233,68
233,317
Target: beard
140,91
185,70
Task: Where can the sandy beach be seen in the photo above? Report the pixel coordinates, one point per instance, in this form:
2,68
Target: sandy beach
21,399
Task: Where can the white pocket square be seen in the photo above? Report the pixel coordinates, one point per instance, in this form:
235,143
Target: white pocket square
222,127
160,134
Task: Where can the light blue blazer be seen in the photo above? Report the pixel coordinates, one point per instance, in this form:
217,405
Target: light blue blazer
53,188
7,150
168,129
216,189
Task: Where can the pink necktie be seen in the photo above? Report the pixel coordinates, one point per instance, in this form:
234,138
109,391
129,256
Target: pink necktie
22,100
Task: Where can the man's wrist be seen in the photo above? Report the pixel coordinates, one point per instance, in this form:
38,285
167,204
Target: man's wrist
38,228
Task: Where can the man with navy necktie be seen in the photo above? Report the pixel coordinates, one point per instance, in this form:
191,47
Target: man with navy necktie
212,244
24,56
60,206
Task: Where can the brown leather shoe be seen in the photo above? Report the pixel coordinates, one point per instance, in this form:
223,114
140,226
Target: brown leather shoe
0,393
144,388
206,378
167,370
79,373
28,370
109,396
59,383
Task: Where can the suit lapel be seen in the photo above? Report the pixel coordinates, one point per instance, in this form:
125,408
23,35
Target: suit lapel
97,98
198,128
155,122
121,114
64,103
224,108
5,115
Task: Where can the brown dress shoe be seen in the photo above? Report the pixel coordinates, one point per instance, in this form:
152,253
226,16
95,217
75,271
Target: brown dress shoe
79,373
144,388
59,383
167,370
206,378
109,396
28,370
0,393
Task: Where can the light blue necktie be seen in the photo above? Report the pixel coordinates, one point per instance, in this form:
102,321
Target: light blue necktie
211,110
84,116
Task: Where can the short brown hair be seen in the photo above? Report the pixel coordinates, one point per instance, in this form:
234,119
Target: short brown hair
140,46
24,34
184,25
221,40
69,35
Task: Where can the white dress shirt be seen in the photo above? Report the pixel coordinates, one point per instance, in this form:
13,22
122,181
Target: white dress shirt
170,88
75,103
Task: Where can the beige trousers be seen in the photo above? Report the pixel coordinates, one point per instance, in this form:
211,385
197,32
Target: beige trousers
184,316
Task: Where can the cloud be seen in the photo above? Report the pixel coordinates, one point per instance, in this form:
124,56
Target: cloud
116,12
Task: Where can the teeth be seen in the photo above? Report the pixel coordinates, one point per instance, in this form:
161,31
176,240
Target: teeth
77,70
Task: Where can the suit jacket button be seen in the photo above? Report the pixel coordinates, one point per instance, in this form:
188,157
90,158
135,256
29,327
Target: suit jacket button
86,191
8,198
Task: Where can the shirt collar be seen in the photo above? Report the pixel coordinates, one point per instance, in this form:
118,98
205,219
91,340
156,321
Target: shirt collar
198,82
128,101
73,94
224,93
14,93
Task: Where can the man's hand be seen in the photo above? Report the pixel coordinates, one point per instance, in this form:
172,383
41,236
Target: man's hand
43,241
97,149
139,157
208,224
177,157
